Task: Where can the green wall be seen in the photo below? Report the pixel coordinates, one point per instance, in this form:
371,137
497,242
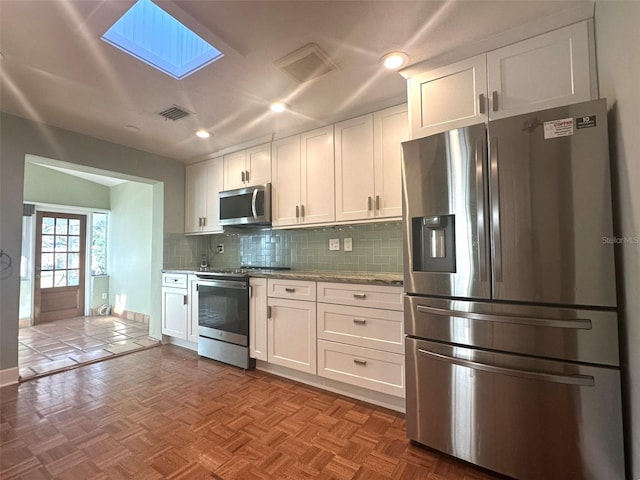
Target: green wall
45,185
19,138
130,241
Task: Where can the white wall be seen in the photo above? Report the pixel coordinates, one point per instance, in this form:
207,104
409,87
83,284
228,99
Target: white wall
617,26
130,243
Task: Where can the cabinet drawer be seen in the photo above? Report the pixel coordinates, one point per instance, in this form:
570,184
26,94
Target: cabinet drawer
372,296
176,280
364,367
293,289
364,327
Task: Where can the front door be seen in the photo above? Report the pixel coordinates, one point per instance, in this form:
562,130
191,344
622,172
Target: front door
60,272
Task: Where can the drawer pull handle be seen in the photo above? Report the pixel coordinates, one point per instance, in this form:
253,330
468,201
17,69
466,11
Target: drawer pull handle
359,321
357,361
289,289
359,295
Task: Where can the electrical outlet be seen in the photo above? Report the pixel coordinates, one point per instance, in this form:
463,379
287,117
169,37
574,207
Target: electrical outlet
334,244
104,296
348,245
220,248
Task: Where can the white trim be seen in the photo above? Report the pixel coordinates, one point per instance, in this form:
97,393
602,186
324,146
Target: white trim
166,339
9,376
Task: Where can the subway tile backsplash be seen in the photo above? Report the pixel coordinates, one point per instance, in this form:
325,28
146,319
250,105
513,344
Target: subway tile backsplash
377,247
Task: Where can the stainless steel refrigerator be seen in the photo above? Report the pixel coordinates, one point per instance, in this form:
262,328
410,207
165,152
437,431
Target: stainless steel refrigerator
510,306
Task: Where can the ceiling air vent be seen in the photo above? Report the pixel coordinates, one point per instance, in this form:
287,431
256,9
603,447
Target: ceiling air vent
306,63
174,113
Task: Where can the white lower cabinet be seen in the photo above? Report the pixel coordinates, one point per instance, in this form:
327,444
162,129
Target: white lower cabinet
361,336
364,367
291,334
192,316
258,318
175,305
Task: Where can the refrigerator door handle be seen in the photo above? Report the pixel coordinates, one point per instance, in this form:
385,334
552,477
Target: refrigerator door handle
480,201
573,323
580,380
495,211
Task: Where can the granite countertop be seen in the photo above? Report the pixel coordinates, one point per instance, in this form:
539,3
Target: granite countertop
372,278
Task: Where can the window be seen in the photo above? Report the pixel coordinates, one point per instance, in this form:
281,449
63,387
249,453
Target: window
99,226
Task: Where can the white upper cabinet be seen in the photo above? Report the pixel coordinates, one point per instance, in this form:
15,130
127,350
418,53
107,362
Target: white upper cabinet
302,173
541,72
248,167
449,97
203,181
390,129
355,180
368,165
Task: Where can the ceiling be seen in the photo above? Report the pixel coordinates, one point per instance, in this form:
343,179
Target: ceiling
56,70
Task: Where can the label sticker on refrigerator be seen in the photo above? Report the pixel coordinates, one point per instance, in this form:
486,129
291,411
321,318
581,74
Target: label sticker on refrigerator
586,122
558,128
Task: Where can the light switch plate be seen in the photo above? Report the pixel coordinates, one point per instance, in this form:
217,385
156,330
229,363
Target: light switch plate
348,245
334,244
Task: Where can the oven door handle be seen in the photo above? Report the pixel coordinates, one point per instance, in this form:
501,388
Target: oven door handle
222,283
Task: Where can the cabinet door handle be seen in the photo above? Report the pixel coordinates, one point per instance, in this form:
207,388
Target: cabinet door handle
357,361
368,204
242,176
359,295
359,321
289,289
481,103
185,299
494,100
302,211
377,202
297,211
246,175
268,311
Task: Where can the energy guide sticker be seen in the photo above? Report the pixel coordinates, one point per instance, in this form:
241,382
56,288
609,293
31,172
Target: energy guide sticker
558,128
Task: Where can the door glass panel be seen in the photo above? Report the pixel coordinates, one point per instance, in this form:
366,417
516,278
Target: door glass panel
74,260
46,279
74,277
74,244
60,278
61,244
74,227
47,226
47,243
61,261
61,226
46,261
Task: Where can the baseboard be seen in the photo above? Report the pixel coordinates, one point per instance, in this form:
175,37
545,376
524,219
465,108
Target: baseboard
8,376
359,393
180,343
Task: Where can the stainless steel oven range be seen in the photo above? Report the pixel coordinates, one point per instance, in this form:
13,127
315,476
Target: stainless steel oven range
223,317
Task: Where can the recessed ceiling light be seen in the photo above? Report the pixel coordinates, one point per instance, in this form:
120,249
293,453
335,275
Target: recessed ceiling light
394,60
279,107
202,133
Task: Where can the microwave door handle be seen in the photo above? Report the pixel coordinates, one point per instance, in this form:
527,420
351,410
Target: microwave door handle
254,198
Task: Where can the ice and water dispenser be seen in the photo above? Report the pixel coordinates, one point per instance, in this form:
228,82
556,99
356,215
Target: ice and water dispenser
434,243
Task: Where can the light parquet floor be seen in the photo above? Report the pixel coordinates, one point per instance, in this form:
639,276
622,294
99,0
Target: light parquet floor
166,413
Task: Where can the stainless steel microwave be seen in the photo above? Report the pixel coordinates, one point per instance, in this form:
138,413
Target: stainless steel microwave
246,206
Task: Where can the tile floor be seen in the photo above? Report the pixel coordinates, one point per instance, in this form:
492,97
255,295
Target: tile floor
64,344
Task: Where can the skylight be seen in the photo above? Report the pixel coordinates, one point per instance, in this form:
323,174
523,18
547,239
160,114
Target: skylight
150,34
